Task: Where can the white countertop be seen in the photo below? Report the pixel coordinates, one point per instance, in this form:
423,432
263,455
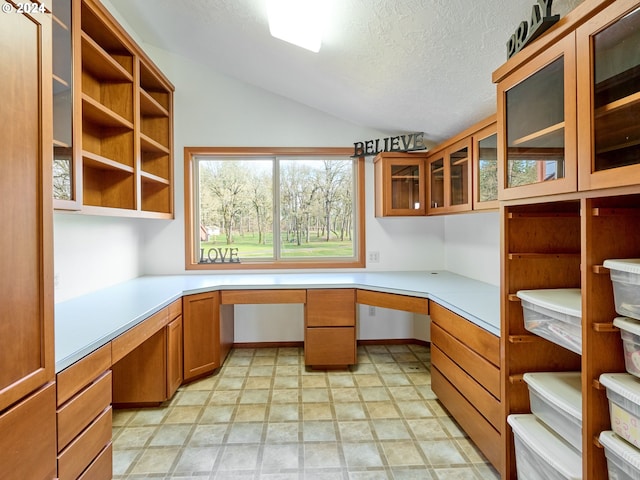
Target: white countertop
85,323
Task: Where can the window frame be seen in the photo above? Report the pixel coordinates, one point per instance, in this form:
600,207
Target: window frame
191,262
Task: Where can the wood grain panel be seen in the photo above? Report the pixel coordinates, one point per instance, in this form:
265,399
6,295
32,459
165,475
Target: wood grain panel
141,376
393,301
174,356
330,308
478,396
478,339
86,447
77,413
330,346
486,438
102,467
134,337
26,265
201,330
175,309
28,440
484,372
251,297
77,376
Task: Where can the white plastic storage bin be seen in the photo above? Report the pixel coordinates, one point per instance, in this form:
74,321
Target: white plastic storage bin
556,399
554,314
623,460
540,453
630,333
623,392
625,276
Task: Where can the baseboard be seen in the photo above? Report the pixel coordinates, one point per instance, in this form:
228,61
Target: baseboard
388,341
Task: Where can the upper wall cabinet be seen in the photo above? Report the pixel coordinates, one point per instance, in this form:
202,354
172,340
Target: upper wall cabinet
609,93
400,184
537,125
568,105
450,174
462,172
116,156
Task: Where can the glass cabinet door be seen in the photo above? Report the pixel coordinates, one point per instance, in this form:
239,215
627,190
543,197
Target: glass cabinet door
537,117
612,83
459,173
485,151
64,192
405,187
436,184
400,184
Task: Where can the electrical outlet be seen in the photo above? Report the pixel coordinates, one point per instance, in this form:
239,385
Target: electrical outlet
372,311
56,280
374,257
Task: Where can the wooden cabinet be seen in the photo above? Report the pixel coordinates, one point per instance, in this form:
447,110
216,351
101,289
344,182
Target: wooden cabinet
537,125
84,417
28,437
462,173
26,265
147,360
563,245
608,89
400,184
174,354
449,172
115,155
330,328
207,333
465,375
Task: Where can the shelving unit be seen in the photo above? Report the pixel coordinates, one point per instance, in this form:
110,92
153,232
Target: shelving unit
120,112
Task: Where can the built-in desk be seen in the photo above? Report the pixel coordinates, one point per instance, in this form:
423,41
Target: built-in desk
85,323
152,326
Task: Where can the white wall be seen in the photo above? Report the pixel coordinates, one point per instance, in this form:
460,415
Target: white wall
472,245
214,110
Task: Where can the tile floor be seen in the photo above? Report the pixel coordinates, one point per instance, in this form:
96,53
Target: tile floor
265,416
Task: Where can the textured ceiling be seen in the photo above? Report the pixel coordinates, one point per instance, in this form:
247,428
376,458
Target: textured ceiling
392,65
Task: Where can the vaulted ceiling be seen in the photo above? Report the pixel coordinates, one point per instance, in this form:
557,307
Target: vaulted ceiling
392,65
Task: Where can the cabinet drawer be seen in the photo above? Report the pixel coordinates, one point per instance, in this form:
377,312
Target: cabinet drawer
483,371
102,467
77,413
483,401
74,378
85,448
393,301
122,345
486,438
330,346
476,338
27,437
330,308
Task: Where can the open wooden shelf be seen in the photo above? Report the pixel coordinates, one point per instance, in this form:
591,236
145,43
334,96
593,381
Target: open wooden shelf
102,65
123,145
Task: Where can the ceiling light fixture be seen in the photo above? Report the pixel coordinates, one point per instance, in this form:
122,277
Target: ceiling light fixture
299,22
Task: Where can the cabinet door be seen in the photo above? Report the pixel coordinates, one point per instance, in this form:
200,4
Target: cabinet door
537,125
174,356
400,186
26,280
28,436
450,178
609,93
485,169
201,330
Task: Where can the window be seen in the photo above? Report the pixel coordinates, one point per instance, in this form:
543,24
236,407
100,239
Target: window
273,208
